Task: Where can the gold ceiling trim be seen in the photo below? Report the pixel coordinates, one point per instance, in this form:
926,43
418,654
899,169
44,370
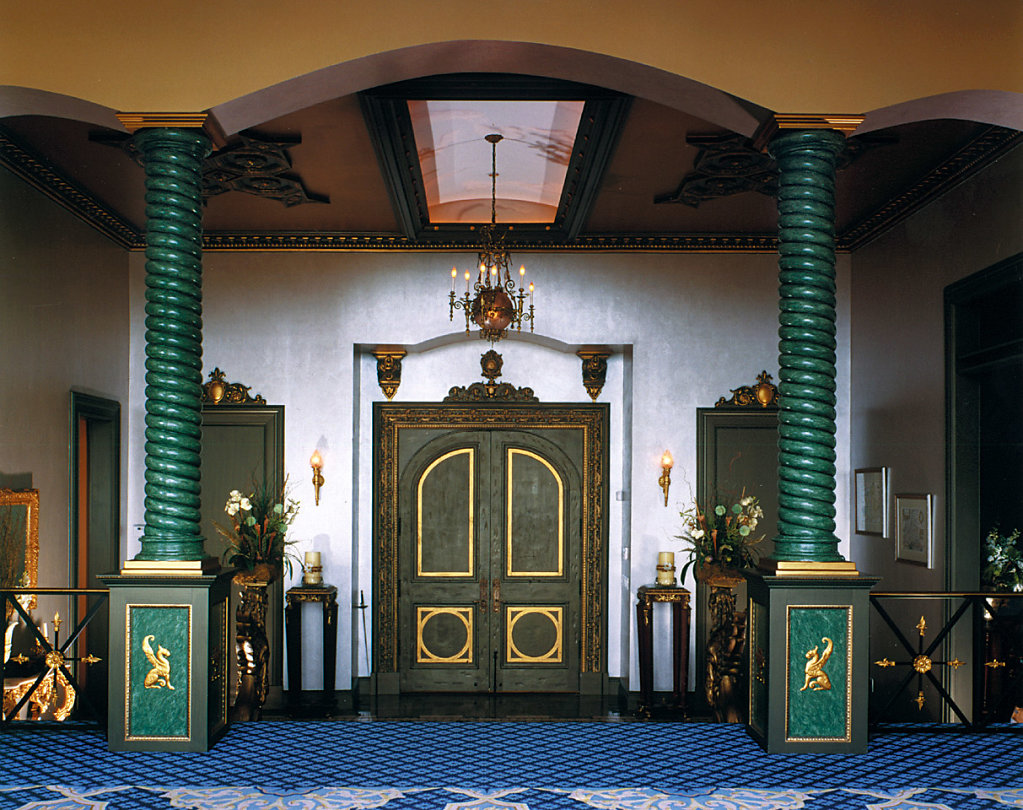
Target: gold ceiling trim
134,121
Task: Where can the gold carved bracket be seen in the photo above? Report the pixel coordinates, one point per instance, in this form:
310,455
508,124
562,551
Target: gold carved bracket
594,370
389,369
764,394
220,392
491,390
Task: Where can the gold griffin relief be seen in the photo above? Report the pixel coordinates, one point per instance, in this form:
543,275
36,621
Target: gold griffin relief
816,679
159,676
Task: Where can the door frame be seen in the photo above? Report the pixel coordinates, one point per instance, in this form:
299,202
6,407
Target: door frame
390,419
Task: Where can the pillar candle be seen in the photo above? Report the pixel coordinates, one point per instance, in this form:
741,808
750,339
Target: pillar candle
666,558
312,558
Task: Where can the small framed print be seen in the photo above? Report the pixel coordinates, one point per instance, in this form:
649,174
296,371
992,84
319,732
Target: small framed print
872,501
914,529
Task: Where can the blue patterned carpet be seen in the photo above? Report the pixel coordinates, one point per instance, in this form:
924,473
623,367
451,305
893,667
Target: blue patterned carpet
519,765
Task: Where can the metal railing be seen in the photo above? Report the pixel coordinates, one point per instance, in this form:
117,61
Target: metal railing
45,681
985,628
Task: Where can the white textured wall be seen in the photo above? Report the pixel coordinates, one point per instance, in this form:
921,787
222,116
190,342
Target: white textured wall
291,325
898,346
64,321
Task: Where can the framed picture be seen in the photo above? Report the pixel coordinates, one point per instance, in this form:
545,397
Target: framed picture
872,501
914,530
19,540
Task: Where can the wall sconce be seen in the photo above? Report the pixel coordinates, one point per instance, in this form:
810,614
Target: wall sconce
316,462
667,462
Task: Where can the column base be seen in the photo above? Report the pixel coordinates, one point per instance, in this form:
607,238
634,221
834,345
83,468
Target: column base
808,659
168,660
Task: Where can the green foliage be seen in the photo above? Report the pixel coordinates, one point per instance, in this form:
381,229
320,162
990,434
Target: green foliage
1004,568
721,533
259,528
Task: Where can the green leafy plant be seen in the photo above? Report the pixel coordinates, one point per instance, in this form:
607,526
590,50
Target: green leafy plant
258,532
721,533
1004,568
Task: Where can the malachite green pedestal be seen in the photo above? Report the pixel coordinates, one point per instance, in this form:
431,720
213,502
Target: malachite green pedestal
808,662
171,633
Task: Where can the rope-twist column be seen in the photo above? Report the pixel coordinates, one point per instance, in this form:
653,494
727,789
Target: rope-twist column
173,163
806,437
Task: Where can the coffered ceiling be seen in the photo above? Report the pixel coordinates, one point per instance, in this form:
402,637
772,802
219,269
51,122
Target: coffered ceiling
353,172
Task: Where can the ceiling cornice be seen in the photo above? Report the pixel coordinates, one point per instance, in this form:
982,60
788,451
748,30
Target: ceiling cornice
52,182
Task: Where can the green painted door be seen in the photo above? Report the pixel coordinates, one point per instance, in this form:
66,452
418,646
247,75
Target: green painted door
489,561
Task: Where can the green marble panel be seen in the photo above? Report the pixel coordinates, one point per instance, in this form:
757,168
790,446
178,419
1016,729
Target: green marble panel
818,640
758,645
159,660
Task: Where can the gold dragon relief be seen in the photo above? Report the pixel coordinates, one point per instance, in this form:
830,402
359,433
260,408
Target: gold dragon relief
815,678
159,676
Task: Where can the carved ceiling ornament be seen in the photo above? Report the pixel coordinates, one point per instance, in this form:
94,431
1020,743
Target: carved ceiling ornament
762,395
730,164
217,391
491,391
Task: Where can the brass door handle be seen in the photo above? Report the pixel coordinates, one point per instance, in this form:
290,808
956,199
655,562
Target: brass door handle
482,601
497,596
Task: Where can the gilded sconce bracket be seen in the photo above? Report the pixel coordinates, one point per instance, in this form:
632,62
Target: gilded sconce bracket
389,370
764,394
594,370
217,391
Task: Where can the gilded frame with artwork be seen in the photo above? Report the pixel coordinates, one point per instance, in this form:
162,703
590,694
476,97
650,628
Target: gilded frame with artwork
914,529
19,540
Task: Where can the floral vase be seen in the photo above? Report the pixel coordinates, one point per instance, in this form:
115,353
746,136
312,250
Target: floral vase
251,647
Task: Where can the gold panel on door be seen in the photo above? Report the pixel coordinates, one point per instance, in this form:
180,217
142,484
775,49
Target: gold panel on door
447,621
449,501
541,617
535,533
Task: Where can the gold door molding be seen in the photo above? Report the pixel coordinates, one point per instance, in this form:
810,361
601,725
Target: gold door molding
470,517
423,653
555,614
509,532
590,419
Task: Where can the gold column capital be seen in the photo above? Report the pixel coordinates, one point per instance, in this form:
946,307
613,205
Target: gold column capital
134,121
846,123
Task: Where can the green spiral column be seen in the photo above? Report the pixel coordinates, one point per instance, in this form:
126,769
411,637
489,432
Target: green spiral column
173,164
806,438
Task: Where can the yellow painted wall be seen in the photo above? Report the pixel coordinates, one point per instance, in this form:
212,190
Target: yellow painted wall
786,55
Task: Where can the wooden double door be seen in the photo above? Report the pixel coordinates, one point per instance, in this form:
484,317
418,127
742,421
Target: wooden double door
489,561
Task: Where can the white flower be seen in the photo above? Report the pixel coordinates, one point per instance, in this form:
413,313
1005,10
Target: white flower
235,495
245,504
747,500
231,508
697,534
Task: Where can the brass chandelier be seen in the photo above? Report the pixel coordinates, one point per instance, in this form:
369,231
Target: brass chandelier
497,302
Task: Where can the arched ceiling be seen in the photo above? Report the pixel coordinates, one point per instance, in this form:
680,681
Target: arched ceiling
785,55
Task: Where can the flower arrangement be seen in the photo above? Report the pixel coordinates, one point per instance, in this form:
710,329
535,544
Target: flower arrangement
257,537
722,534
1004,568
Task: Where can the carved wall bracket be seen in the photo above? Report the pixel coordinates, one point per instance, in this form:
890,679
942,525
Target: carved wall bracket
389,370
594,370
217,391
762,395
491,390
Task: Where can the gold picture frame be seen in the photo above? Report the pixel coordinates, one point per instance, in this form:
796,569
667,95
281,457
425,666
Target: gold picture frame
19,516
